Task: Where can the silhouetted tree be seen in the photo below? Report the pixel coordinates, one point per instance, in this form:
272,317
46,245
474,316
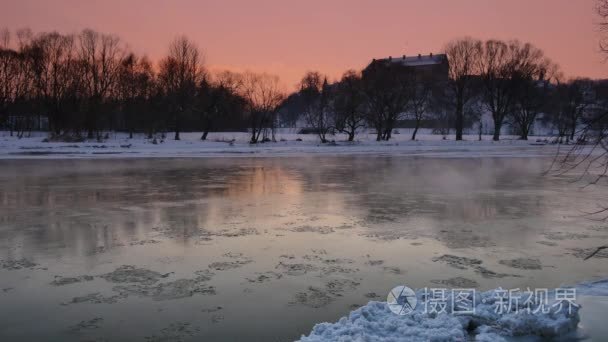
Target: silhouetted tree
134,90
386,88
463,56
602,11
9,69
263,97
422,93
218,98
590,154
348,104
180,73
496,67
56,77
291,110
100,58
532,93
23,89
315,96
501,64
570,102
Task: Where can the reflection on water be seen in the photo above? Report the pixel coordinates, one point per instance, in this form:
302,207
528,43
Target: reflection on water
304,238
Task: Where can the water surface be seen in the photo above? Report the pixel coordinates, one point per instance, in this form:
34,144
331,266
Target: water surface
264,248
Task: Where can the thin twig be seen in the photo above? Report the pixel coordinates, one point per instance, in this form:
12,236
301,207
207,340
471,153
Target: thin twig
597,250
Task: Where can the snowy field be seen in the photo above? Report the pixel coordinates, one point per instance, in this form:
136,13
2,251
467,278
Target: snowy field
288,143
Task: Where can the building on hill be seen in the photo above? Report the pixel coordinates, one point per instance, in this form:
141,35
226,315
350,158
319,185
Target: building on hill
430,75
434,66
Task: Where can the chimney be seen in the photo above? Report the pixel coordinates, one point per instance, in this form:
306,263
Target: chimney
403,56
419,56
431,55
390,58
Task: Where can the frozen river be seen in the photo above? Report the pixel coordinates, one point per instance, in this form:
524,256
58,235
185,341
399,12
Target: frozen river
263,248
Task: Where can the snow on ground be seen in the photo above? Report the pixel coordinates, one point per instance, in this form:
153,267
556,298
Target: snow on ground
288,143
375,322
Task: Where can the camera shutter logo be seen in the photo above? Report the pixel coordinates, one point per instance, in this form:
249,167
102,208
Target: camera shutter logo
402,300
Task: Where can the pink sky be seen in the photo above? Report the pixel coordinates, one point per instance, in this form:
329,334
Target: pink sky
288,38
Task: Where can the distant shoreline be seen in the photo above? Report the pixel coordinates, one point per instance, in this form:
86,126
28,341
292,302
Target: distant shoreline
236,144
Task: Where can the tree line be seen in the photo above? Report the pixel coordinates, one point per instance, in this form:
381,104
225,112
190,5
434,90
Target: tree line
88,83
512,81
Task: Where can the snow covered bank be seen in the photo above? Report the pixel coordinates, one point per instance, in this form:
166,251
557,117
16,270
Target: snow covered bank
288,144
375,322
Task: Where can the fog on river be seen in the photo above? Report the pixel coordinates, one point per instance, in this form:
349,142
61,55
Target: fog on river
264,248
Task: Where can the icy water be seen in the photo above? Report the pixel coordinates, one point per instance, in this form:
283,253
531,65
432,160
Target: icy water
261,249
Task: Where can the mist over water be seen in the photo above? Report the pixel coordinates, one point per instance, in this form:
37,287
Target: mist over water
184,249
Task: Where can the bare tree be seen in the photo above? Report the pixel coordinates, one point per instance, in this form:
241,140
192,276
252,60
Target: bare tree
348,104
180,73
8,74
593,160
570,103
263,95
602,12
315,95
5,38
217,98
89,82
54,76
580,96
291,110
100,57
496,66
386,88
134,90
501,64
421,99
532,93
463,55
590,153
24,92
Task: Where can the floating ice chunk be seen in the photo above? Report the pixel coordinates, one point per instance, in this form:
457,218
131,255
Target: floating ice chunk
593,288
375,322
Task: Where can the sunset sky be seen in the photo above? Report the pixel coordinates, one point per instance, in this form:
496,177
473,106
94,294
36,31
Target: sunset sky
288,38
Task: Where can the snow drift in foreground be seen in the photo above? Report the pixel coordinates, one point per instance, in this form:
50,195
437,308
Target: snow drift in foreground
375,322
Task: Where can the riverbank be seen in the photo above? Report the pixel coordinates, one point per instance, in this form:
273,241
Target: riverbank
232,144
